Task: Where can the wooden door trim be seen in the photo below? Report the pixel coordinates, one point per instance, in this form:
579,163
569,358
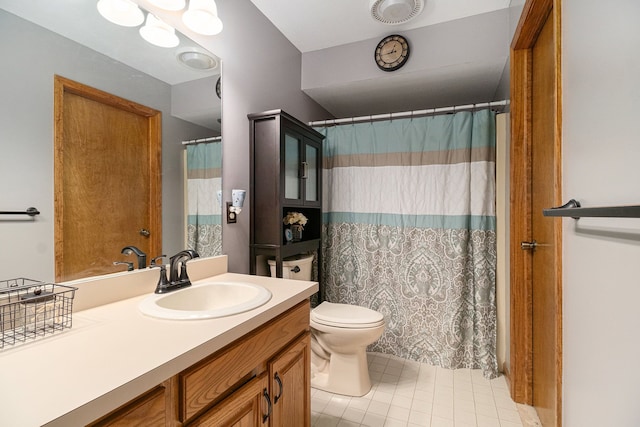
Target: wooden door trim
63,85
534,15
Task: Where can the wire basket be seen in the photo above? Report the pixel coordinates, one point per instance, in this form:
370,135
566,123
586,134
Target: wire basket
30,309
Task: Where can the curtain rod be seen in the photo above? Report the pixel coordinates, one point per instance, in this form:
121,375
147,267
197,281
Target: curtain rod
405,114
198,141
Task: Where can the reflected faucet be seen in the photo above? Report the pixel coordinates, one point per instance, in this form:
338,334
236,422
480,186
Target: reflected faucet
128,264
142,257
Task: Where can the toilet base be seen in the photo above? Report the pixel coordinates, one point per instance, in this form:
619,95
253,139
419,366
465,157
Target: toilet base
346,374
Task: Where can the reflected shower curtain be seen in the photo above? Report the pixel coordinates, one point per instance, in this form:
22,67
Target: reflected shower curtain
204,213
409,210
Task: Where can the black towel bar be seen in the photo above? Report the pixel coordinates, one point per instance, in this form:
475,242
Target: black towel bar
574,210
29,211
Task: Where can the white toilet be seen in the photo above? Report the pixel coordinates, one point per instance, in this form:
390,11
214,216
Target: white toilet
340,334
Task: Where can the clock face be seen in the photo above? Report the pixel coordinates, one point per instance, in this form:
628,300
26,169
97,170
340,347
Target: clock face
392,52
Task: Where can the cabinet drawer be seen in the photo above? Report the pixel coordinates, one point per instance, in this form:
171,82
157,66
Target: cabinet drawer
148,410
215,377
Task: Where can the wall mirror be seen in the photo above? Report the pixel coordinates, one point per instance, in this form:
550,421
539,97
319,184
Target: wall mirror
41,39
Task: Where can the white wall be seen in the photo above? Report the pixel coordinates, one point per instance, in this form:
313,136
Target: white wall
451,63
601,154
261,71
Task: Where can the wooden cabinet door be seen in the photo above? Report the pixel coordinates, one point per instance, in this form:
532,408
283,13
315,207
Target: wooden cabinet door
292,158
247,407
289,376
301,169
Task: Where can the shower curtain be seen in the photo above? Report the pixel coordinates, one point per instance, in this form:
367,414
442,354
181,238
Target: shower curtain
409,213
204,212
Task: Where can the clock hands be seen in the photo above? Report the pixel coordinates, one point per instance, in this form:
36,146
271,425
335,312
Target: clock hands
394,49
392,52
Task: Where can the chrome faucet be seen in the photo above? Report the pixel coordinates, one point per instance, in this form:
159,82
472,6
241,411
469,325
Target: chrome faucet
178,277
142,257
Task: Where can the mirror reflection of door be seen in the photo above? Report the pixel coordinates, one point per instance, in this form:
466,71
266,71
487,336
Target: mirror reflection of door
107,189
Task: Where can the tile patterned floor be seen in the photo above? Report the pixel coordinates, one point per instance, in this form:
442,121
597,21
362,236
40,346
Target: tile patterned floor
413,394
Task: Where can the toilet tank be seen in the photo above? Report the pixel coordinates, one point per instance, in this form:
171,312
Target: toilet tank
289,270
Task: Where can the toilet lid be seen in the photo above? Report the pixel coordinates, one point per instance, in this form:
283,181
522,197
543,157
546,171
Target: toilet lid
346,315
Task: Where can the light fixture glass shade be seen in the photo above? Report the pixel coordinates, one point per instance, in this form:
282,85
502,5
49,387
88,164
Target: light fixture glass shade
202,17
121,12
158,33
168,4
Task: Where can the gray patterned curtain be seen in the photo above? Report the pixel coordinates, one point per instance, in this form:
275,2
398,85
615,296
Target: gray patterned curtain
409,212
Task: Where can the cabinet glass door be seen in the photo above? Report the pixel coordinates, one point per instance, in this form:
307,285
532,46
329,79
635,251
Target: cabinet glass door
311,174
292,187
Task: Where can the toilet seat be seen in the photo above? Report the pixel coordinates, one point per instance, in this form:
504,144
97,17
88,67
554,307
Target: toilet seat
346,316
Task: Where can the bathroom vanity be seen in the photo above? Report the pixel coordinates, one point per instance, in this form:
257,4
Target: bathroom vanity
117,366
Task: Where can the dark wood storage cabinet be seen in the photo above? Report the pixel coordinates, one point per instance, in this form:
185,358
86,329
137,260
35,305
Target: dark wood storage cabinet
286,176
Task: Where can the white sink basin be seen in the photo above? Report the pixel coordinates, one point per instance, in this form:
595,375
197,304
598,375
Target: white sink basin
206,301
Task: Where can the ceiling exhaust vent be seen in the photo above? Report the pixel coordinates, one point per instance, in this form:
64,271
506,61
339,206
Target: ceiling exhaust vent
393,12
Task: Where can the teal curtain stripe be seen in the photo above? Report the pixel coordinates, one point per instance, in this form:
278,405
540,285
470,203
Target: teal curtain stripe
461,130
204,156
204,219
471,222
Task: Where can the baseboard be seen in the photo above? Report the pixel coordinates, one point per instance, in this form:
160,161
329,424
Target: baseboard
505,372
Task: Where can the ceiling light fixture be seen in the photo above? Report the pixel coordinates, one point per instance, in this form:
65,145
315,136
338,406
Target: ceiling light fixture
393,12
202,17
158,33
197,60
174,5
121,12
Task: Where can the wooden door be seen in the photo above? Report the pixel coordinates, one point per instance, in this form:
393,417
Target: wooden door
107,180
546,231
536,266
291,385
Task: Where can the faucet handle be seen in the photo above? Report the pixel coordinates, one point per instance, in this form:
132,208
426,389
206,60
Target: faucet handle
128,264
154,260
163,281
183,272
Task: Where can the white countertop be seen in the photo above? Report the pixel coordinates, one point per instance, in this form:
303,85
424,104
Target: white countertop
113,353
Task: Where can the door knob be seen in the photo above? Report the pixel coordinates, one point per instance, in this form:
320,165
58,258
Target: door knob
144,232
528,246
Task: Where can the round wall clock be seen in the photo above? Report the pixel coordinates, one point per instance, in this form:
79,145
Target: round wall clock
392,52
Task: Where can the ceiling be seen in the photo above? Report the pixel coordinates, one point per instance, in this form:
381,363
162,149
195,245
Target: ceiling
326,29
320,24
336,31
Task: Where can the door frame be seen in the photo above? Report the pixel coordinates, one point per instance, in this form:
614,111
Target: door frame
534,15
64,85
